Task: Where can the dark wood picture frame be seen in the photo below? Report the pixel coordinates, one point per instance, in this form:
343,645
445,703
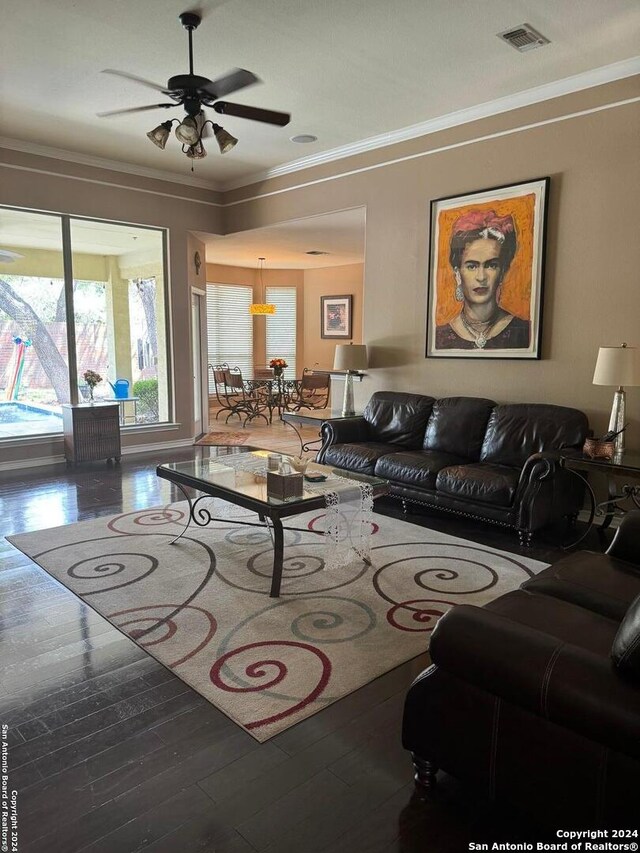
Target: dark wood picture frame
514,218
336,317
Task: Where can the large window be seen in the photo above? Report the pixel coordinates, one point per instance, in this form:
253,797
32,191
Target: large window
117,300
281,327
230,327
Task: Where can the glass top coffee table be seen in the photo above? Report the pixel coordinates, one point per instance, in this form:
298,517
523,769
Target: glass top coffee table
214,478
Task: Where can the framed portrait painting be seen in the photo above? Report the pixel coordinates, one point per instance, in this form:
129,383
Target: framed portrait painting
335,317
486,273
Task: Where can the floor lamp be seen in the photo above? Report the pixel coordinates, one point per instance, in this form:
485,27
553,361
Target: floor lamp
351,358
617,366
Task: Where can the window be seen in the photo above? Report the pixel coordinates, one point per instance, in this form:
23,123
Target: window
281,327
117,300
119,311
229,327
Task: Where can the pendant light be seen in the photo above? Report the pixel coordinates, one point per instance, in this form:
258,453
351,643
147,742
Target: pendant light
259,308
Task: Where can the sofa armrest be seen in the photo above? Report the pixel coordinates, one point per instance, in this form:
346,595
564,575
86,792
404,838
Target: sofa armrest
546,490
343,431
626,542
539,466
565,684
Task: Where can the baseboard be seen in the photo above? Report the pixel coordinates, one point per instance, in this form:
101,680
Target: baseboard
158,445
55,459
38,462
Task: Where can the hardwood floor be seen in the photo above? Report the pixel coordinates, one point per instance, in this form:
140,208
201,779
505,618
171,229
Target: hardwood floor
109,751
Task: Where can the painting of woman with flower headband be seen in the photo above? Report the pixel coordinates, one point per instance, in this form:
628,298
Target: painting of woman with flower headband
486,274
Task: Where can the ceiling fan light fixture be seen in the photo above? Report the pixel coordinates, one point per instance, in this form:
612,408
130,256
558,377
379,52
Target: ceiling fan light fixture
188,131
197,151
225,141
160,134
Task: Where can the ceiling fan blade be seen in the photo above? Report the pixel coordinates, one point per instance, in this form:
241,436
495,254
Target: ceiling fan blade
134,110
230,82
255,113
148,83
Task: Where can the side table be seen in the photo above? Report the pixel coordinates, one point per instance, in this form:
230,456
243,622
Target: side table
91,431
625,466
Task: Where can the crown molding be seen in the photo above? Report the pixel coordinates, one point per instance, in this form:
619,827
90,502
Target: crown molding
558,88
101,163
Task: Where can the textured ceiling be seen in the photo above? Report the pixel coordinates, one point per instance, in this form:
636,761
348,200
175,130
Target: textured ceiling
346,70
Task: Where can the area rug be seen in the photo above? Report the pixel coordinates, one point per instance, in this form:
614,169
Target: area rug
202,606
217,439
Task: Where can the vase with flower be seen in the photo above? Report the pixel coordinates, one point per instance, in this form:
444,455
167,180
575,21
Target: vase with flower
278,365
92,379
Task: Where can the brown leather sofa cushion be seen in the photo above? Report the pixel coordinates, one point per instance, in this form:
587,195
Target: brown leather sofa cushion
597,582
399,419
360,458
457,425
418,468
516,431
482,482
626,645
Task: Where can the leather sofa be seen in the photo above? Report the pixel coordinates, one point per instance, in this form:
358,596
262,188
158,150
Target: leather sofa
534,698
467,455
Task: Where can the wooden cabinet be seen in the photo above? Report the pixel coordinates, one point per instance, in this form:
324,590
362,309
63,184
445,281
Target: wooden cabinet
91,431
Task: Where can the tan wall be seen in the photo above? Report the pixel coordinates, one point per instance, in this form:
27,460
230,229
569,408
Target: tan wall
586,143
42,183
329,281
223,274
592,290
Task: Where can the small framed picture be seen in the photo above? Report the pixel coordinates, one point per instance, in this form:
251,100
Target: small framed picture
486,273
335,317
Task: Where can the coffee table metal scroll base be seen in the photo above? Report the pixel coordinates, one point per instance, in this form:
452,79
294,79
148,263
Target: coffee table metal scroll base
201,516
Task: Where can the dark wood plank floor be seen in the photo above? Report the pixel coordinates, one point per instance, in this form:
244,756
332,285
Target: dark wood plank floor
111,752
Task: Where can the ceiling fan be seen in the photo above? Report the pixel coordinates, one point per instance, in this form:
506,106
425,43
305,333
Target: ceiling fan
194,92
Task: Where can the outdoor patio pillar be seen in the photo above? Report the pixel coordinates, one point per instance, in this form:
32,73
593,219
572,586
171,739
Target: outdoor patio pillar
118,322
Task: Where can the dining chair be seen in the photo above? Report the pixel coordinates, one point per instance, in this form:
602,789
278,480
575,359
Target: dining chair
311,392
241,400
219,372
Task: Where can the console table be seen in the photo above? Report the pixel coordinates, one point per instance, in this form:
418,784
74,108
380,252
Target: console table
626,466
91,431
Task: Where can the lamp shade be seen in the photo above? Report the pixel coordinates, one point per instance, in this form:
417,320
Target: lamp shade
350,357
617,366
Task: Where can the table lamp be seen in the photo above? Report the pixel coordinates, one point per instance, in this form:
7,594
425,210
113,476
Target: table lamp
352,358
617,366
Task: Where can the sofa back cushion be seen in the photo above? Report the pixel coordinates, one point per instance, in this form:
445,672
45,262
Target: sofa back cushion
626,645
457,425
397,418
516,431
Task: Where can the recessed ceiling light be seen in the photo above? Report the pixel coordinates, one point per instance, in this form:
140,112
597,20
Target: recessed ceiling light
303,138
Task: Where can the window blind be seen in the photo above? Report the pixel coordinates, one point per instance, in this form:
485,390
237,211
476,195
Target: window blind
281,327
229,327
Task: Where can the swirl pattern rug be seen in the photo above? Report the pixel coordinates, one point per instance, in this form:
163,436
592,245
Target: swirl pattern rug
202,606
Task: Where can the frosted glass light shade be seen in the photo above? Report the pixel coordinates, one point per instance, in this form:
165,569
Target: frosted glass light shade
187,132
160,134
617,366
350,357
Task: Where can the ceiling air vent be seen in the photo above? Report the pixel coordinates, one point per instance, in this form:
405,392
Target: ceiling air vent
316,252
523,38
